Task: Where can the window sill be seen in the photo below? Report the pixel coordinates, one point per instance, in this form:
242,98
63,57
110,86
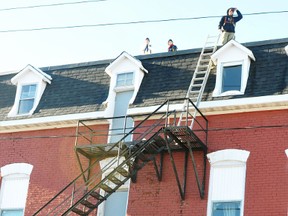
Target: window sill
227,93
124,88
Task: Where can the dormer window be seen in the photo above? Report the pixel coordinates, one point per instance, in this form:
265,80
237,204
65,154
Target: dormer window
233,65
231,79
27,98
124,79
31,83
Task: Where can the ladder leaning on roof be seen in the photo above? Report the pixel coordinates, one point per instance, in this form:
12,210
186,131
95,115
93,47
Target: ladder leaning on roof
199,80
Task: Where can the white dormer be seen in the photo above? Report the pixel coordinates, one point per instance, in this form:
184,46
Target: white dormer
126,74
31,83
233,64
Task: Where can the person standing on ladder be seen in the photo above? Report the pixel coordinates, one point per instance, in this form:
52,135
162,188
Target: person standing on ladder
227,25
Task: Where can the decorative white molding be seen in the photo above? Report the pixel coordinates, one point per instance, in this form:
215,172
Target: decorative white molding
16,168
228,155
124,63
227,177
232,54
29,76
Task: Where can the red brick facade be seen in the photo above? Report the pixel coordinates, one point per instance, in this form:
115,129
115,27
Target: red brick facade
263,134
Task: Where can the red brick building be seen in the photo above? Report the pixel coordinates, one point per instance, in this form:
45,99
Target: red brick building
118,122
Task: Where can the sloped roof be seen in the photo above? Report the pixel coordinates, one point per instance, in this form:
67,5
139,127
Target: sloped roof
82,88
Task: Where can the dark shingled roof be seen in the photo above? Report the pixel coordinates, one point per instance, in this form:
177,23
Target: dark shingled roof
81,88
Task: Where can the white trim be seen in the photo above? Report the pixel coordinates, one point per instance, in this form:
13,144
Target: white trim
286,50
286,151
120,58
228,155
14,186
224,165
262,103
228,45
16,168
247,104
50,119
107,165
29,76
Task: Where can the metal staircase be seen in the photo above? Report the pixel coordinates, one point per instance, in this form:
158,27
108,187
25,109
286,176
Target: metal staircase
199,79
156,134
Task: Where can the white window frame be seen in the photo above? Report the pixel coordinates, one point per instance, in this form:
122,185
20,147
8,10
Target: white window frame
227,82
219,79
29,76
107,166
231,162
124,87
34,98
286,151
16,172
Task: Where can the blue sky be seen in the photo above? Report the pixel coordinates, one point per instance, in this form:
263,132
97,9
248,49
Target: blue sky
57,47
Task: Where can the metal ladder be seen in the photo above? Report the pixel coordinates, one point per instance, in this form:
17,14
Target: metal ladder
199,80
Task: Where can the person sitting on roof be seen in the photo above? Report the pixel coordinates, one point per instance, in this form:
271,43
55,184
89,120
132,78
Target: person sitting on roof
227,25
171,46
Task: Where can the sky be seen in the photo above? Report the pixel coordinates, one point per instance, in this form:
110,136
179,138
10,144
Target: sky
42,48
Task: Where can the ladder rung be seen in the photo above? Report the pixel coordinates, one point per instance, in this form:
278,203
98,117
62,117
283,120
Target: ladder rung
203,65
198,78
200,72
205,60
194,91
207,54
196,85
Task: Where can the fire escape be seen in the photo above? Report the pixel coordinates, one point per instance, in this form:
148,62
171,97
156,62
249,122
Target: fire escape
166,130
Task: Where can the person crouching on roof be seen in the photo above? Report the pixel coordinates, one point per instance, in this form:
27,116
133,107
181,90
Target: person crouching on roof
227,25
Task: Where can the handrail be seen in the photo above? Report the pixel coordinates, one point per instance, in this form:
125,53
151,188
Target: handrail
165,115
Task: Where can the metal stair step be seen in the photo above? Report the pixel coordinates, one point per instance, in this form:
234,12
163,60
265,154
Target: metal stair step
115,180
122,171
143,157
106,188
87,204
96,195
78,211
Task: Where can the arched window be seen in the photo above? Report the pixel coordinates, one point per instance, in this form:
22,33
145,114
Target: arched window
227,182
14,188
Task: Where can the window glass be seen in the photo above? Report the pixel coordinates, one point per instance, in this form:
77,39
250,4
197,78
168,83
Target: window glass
226,209
124,79
231,78
27,98
18,212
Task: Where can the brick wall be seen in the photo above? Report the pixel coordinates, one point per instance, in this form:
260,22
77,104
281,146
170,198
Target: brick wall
51,152
261,133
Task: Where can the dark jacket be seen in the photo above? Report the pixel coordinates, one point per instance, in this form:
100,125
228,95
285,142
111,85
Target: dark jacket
228,22
172,48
